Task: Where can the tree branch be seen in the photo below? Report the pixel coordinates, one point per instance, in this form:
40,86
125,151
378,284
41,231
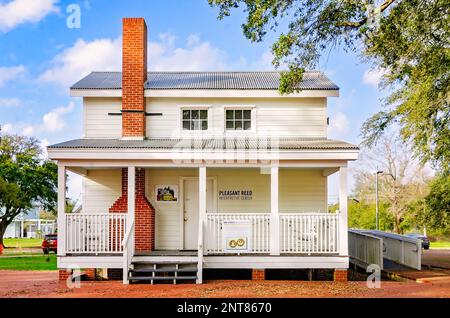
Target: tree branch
357,24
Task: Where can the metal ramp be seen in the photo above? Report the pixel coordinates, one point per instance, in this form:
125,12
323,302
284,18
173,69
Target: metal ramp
381,248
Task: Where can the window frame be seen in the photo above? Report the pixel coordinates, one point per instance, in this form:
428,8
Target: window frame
199,108
252,109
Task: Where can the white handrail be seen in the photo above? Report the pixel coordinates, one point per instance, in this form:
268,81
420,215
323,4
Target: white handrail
309,232
128,234
258,241
365,249
400,248
128,250
94,233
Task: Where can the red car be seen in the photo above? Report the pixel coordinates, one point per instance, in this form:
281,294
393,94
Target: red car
50,243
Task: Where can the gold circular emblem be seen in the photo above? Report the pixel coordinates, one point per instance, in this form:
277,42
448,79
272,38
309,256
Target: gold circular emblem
232,243
240,242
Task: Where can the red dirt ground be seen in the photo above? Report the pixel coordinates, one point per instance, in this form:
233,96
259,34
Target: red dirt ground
45,284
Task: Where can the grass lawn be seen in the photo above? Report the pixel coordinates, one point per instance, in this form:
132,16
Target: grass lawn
22,242
28,263
440,244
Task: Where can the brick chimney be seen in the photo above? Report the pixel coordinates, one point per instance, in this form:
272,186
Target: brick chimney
134,75
144,239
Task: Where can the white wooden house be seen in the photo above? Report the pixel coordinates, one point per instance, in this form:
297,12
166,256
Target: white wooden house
186,171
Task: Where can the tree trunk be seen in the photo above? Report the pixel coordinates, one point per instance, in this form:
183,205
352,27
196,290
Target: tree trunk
3,226
397,222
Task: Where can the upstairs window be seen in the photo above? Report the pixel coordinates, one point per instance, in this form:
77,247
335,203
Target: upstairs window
195,119
238,119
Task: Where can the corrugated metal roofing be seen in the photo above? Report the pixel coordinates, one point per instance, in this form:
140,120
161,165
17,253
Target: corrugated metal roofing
206,80
208,144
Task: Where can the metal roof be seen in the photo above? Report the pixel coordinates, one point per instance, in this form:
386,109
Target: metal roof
206,80
239,143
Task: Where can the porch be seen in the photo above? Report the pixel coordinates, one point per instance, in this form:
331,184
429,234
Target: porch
273,238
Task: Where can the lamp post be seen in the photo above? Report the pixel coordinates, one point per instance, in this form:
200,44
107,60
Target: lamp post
377,221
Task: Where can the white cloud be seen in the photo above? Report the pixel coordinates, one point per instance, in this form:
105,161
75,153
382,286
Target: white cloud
10,102
51,122
373,77
264,63
339,125
16,12
197,56
74,187
10,73
82,58
6,127
163,55
44,144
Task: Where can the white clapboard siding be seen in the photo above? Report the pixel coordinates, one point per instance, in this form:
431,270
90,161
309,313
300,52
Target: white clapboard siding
167,214
300,191
97,122
101,188
300,117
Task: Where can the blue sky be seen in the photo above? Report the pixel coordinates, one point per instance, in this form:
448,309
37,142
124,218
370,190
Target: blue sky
41,57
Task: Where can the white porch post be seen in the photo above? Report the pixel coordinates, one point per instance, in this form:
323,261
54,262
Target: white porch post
343,226
131,189
61,210
274,216
201,220
131,194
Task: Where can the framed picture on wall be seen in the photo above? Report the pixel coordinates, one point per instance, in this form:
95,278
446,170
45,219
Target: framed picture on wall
166,193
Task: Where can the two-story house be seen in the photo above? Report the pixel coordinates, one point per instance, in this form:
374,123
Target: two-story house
189,171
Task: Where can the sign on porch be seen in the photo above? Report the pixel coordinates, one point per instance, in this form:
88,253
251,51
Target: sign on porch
236,235
235,194
166,193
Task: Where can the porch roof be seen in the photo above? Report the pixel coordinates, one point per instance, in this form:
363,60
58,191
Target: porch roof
312,80
166,144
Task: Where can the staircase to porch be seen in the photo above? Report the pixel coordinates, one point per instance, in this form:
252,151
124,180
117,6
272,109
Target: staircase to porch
163,267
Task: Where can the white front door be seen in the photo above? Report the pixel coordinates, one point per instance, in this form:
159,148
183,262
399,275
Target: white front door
191,210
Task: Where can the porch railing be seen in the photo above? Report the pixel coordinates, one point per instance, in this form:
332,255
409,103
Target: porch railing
312,233
95,233
258,229
302,233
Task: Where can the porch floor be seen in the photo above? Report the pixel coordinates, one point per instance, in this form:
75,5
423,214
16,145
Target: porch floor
194,253
167,253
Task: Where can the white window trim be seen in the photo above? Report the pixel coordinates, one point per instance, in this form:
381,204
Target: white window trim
184,132
239,107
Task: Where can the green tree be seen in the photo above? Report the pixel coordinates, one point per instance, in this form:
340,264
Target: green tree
26,179
361,215
402,182
408,40
433,211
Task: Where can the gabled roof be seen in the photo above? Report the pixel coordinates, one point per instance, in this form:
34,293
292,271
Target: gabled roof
212,143
206,80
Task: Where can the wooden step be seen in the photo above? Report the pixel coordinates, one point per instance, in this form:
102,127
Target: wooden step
165,259
150,278
164,263
163,270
